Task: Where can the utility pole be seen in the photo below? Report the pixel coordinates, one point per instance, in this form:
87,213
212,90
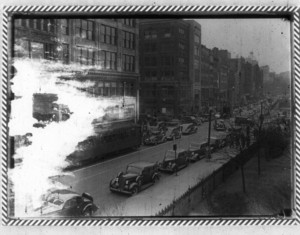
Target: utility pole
208,140
261,118
175,150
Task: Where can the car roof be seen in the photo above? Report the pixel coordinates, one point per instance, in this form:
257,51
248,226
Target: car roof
186,124
64,194
177,151
142,164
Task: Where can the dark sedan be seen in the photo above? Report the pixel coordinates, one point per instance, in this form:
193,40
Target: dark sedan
66,203
189,128
156,137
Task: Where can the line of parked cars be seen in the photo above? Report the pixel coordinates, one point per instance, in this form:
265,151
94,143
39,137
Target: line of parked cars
162,131
142,174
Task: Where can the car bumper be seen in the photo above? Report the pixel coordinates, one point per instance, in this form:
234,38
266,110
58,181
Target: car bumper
166,169
118,190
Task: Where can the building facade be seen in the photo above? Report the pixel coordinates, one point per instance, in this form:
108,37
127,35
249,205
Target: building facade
107,49
170,66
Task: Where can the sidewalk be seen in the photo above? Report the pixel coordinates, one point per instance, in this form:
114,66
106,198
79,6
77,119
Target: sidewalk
157,197
266,194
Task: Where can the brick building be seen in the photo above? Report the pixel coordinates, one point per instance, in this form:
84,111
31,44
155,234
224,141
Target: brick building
170,65
106,48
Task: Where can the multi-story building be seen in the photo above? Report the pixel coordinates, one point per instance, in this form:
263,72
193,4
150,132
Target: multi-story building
106,48
170,65
209,85
221,64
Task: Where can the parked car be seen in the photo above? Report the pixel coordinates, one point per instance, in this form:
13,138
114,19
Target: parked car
198,150
191,119
158,126
219,125
156,137
66,203
173,162
173,133
217,142
189,128
138,176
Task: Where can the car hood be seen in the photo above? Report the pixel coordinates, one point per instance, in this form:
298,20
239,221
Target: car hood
129,176
48,209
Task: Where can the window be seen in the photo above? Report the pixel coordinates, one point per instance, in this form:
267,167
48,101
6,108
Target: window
49,51
150,34
181,60
129,22
128,63
197,75
65,26
167,33
37,50
113,89
108,60
167,60
197,51
24,22
85,56
150,47
85,29
150,61
128,40
181,46
65,53
181,31
108,35
197,39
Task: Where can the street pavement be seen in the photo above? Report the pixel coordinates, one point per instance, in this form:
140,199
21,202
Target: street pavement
95,179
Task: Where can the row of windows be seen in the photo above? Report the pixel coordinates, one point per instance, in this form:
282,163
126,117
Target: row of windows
153,34
110,89
164,46
163,61
85,29
47,25
106,59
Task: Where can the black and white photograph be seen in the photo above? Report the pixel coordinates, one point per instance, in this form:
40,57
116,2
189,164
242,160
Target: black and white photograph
121,116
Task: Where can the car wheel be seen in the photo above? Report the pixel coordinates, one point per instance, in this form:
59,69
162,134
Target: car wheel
134,190
155,179
88,212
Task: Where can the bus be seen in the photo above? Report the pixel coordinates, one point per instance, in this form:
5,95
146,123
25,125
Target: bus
110,138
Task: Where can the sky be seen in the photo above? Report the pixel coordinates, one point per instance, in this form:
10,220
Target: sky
269,39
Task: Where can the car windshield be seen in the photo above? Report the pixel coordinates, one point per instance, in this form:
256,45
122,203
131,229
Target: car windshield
170,155
133,169
195,145
54,199
172,124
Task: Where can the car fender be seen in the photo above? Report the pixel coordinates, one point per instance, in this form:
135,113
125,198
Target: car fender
135,184
155,175
87,206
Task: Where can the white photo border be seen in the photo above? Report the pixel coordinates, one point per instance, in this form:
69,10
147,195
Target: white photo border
293,11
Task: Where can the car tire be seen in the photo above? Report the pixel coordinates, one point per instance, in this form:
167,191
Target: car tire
88,212
155,179
134,190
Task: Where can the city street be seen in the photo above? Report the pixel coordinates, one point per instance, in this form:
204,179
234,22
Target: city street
95,179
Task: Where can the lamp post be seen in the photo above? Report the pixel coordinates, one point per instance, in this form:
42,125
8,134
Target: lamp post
208,140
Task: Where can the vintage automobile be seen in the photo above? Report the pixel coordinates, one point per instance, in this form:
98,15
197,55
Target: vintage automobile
198,150
173,162
217,142
66,203
189,128
219,125
173,133
156,137
138,176
191,119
